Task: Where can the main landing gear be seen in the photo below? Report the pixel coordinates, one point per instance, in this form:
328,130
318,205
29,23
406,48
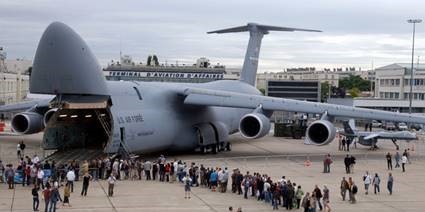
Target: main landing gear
397,147
216,148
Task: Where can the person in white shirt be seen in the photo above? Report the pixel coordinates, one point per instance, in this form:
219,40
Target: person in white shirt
40,176
35,159
18,151
403,162
187,181
266,191
367,180
70,178
111,184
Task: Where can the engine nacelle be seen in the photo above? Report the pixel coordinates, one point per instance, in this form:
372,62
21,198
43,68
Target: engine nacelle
254,125
27,123
321,132
49,115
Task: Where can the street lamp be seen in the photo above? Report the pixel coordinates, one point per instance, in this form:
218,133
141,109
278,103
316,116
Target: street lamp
414,22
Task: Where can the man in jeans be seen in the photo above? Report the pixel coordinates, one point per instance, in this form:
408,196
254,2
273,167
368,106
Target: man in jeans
54,198
35,199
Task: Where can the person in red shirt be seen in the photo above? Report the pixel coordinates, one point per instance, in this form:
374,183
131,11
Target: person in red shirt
46,196
167,171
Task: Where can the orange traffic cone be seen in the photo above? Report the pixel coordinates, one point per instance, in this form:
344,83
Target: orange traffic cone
307,163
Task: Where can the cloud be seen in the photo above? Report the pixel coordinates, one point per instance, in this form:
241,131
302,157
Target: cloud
355,32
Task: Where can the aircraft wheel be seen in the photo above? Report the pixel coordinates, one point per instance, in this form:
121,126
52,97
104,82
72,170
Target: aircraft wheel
203,150
228,146
214,148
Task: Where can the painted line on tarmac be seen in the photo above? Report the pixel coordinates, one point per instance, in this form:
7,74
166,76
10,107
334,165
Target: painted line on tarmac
13,198
195,195
107,196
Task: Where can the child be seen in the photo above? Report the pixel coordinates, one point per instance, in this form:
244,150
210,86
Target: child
187,180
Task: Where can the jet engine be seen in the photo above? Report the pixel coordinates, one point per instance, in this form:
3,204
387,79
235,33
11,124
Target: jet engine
27,123
254,125
321,132
49,115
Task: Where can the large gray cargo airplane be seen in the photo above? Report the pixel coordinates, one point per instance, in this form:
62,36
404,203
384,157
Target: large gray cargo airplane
141,117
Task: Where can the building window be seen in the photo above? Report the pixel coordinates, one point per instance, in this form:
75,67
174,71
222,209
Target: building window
396,95
397,82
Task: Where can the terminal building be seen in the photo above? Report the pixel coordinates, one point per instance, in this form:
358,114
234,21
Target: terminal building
201,71
14,79
331,76
392,89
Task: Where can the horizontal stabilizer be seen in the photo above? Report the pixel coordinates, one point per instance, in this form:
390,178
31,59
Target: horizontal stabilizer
256,33
263,28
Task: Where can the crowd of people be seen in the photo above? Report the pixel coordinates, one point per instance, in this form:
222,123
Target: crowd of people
254,186
48,177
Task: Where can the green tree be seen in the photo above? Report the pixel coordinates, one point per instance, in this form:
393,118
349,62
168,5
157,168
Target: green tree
149,60
324,91
354,92
354,81
263,91
155,60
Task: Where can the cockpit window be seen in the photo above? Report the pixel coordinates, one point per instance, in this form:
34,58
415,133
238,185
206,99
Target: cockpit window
138,93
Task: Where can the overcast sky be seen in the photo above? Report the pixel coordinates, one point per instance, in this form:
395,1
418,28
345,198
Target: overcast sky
355,33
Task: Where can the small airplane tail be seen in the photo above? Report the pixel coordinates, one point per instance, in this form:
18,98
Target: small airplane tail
256,32
349,127
64,64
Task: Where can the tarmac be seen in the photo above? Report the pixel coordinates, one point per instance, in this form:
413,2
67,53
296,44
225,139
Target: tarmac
269,155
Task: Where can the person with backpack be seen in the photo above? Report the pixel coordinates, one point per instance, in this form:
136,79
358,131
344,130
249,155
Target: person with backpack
299,195
367,180
187,181
376,182
35,199
347,164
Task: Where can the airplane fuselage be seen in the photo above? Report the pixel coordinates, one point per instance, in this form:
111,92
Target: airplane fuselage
159,119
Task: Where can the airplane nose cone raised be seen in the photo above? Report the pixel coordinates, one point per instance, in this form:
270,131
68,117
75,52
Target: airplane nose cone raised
64,64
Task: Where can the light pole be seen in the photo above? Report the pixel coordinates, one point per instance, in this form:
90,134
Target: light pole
414,22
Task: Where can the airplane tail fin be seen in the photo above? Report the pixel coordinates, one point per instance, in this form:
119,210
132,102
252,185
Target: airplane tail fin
256,32
350,127
64,64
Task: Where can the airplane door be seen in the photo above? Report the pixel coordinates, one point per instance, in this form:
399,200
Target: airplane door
122,134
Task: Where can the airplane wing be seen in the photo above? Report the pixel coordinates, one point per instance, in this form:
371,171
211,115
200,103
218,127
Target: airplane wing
25,105
207,97
372,136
